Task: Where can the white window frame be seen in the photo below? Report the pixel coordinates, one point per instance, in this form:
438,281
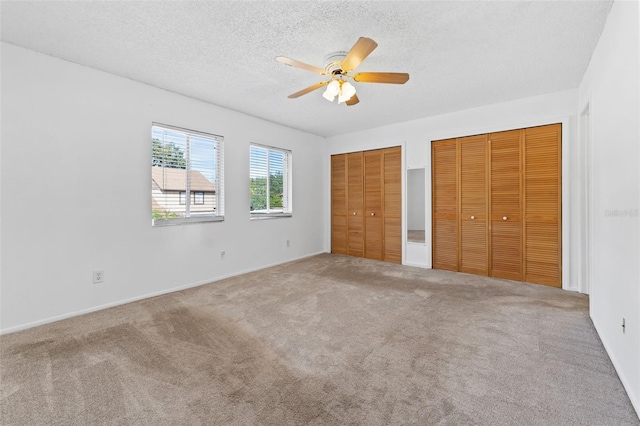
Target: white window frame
218,216
287,184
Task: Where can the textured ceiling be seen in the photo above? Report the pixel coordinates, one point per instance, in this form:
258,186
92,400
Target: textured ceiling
459,54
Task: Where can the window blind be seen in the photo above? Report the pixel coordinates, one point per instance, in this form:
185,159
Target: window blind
270,181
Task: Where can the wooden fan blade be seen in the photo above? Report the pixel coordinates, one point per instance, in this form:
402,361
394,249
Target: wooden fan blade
298,64
363,47
381,77
354,100
308,89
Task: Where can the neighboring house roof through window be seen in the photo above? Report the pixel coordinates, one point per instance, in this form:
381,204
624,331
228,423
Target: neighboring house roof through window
167,179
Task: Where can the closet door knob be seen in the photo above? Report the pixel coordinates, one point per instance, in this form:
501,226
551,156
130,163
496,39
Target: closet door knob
373,214
504,218
473,217
354,213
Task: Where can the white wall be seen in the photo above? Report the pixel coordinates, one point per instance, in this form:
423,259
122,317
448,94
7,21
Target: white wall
76,181
610,89
416,137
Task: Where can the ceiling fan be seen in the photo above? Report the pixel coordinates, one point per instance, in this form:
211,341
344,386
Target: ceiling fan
339,66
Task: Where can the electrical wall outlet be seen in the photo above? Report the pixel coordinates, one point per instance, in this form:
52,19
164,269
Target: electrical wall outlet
98,277
222,253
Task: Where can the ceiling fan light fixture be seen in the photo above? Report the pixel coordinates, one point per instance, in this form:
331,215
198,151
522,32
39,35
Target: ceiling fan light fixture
328,96
346,91
333,89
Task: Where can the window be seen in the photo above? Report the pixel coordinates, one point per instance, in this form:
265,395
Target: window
270,182
186,162
198,198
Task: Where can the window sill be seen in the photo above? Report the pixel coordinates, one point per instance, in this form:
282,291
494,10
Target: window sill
261,216
185,220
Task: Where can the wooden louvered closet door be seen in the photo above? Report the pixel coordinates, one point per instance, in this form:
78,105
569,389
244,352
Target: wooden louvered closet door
542,205
339,204
497,204
355,193
504,194
366,204
472,238
444,192
393,205
373,214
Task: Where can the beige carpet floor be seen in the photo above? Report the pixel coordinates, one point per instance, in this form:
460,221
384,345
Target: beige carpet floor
328,340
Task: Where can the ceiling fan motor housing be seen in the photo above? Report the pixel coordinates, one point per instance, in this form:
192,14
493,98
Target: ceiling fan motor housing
333,62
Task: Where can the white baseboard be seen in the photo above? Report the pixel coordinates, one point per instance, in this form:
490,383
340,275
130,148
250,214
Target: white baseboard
417,265
635,399
145,296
